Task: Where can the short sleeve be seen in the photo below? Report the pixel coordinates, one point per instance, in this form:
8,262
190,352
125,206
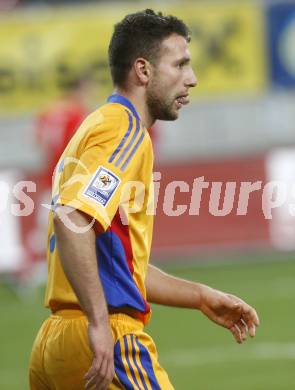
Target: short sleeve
108,158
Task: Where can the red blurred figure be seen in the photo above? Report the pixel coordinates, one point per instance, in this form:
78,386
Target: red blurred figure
57,123
6,5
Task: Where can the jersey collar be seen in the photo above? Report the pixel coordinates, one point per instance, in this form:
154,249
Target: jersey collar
116,98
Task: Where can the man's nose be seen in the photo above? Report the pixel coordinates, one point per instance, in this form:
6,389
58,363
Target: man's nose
191,80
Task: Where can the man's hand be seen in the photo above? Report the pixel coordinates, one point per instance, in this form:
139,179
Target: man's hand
224,309
230,312
102,370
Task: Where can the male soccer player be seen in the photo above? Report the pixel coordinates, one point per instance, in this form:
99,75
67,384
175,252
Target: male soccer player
100,284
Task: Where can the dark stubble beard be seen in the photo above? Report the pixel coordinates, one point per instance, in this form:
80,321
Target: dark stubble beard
159,107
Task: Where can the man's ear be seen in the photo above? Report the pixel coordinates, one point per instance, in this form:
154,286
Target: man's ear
142,69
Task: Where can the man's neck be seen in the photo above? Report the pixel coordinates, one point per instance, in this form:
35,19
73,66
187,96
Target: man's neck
140,105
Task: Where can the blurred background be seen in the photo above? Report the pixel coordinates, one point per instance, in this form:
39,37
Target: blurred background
239,128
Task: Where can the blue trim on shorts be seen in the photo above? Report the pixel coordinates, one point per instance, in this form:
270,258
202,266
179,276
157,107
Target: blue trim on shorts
135,362
120,369
147,364
128,361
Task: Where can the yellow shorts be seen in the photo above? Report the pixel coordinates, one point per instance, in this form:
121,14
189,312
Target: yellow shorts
61,355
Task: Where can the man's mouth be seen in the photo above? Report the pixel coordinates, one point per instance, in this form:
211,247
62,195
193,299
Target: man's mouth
182,100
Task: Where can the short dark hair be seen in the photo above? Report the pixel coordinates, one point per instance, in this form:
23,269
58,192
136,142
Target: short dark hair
140,35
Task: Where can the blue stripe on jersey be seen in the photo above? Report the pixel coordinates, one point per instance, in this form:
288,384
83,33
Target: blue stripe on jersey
119,286
116,98
54,202
125,151
135,362
147,364
61,166
52,243
120,369
120,146
128,361
133,151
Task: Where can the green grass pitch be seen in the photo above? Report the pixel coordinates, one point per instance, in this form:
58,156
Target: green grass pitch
197,354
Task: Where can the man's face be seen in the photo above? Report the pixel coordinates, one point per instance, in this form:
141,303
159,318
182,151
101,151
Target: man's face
171,78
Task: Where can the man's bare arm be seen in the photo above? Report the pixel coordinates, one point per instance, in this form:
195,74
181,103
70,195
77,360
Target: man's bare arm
77,252
224,309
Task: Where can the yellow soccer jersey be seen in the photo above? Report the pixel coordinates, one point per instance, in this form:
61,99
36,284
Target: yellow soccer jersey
106,172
